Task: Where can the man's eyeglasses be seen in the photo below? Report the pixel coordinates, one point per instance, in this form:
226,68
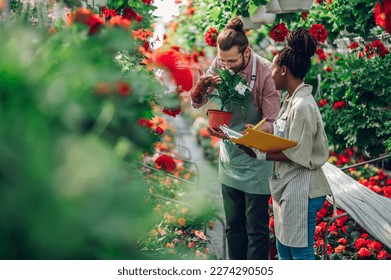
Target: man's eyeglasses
230,62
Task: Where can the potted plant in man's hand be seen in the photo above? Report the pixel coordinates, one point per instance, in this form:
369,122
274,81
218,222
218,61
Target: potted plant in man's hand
231,91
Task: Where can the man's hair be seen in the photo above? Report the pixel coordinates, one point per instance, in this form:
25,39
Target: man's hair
296,56
233,35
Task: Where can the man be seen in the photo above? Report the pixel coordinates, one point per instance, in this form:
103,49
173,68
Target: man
245,187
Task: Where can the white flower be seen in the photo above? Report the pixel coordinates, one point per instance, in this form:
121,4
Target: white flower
241,88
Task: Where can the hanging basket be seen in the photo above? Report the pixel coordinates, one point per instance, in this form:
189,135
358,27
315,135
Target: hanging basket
261,16
293,6
248,24
218,117
273,7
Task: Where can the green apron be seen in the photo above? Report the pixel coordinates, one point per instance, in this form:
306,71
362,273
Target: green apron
237,169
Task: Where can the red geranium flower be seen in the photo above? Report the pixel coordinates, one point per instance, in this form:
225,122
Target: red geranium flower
148,2
172,112
279,32
319,32
322,102
328,69
119,21
145,122
85,16
108,13
159,130
339,104
353,45
175,63
375,245
166,163
382,14
211,37
123,88
321,54
383,255
131,14
363,252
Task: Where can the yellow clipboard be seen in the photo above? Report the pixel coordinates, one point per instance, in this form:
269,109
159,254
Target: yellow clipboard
262,141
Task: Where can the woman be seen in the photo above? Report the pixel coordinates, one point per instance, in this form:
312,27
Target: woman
298,184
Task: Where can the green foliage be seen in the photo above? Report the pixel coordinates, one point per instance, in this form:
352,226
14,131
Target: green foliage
232,90
364,85
65,193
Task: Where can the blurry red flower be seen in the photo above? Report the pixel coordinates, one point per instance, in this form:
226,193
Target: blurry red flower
279,32
382,14
328,69
148,2
123,88
353,45
363,252
322,102
130,14
174,62
321,54
159,130
375,246
119,21
304,15
361,242
383,255
108,13
172,112
145,122
85,16
339,249
166,163
342,241
211,37
318,32
339,104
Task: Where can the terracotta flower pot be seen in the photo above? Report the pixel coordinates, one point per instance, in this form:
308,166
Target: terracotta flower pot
218,117
292,6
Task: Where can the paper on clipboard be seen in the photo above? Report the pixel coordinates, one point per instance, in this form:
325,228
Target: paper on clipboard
260,140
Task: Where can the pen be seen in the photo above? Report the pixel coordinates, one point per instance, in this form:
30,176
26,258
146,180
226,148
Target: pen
258,124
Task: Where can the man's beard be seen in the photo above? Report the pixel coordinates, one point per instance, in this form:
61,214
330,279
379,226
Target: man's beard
238,68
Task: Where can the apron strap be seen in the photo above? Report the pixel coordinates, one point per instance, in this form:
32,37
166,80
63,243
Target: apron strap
253,72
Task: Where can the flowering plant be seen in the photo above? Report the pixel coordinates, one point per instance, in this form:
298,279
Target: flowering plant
232,90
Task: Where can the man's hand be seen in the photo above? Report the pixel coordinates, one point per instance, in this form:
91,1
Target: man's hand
216,133
203,84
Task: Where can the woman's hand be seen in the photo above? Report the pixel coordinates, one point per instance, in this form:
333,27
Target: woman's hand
216,133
